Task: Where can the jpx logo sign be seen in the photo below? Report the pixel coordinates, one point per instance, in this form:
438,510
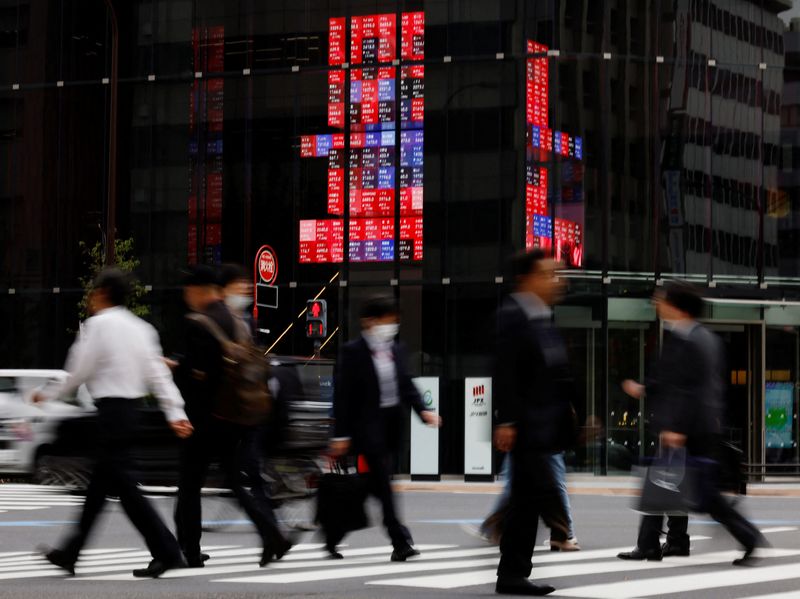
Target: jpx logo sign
479,395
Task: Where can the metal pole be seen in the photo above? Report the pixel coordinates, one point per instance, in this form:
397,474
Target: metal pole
111,198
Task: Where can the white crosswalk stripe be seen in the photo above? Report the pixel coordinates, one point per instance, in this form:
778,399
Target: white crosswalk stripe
25,497
588,574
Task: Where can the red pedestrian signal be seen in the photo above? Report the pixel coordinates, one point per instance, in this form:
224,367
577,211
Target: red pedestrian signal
316,319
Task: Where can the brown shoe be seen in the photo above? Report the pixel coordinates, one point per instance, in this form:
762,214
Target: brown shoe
568,545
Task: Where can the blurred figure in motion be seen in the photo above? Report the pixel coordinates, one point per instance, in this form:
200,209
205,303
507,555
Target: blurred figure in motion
200,375
686,391
372,388
119,358
534,415
237,291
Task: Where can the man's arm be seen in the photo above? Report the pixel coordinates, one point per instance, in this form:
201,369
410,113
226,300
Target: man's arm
81,361
508,410
160,383
342,433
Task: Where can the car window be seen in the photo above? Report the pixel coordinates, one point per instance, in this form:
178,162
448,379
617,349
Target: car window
8,384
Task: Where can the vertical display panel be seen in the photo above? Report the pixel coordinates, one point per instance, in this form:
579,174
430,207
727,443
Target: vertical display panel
363,158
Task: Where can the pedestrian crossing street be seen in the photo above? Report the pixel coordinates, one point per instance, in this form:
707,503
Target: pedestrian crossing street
443,567
23,497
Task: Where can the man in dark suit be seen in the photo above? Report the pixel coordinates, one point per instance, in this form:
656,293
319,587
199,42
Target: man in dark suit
686,390
372,388
199,374
533,390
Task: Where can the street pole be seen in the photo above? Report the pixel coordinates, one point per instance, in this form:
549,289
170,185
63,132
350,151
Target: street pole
111,197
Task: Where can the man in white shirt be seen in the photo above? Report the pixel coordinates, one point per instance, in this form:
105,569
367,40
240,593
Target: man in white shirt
118,356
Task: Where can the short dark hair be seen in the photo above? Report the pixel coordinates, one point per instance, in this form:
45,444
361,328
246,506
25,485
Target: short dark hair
685,297
526,263
229,273
201,275
379,306
115,283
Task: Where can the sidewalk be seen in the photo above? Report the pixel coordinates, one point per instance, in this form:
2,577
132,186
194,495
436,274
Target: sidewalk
584,484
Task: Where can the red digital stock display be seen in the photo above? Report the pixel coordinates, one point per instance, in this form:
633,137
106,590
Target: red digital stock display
371,156
563,233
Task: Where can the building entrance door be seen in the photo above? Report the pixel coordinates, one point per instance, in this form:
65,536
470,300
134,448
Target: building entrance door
744,373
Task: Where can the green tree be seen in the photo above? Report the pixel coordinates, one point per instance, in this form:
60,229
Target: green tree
94,260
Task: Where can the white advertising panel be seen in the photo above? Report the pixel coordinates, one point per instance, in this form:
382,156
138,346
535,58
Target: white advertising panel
478,426
425,439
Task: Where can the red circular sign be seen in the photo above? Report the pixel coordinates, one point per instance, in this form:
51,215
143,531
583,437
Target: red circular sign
267,264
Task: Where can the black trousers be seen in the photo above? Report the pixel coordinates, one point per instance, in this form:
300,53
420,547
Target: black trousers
719,508
380,487
533,493
117,419
221,440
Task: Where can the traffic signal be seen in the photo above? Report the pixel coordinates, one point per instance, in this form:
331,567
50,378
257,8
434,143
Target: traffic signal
316,319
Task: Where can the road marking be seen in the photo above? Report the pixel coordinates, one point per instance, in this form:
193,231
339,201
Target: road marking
767,531
451,581
682,584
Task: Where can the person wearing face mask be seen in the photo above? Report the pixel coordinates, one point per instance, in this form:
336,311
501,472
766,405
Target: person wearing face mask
237,292
372,388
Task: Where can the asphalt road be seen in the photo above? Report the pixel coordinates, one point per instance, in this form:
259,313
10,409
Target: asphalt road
453,563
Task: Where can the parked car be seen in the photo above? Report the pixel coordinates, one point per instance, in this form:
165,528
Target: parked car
28,431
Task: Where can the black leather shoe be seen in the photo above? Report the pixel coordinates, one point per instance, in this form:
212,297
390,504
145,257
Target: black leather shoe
401,554
197,561
332,553
668,550
157,567
750,558
283,548
521,586
59,558
651,555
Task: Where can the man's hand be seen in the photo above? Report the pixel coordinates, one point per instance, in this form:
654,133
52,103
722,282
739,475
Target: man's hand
182,428
339,447
632,388
38,397
505,437
171,364
431,418
670,439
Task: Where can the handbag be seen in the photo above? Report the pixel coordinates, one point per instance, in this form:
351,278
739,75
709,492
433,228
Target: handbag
341,498
676,484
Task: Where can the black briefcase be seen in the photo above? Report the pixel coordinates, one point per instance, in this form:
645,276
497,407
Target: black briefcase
341,498
676,484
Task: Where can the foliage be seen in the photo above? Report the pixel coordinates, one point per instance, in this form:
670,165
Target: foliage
94,259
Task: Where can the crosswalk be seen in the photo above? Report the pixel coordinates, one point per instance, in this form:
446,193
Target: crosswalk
25,497
589,574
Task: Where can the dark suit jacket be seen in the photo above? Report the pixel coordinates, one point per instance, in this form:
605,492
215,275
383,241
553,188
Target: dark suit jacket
685,388
356,400
200,368
532,385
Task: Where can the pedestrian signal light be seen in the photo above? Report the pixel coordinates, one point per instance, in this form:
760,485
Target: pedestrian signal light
316,319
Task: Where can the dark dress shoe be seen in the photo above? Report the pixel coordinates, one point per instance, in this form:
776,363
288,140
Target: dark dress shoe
521,586
197,561
332,553
283,548
401,554
750,558
668,550
651,555
157,567
59,558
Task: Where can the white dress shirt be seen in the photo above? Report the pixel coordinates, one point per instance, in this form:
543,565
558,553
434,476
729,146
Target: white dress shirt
118,354
385,369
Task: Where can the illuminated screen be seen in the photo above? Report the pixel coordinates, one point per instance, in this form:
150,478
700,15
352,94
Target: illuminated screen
363,102
542,227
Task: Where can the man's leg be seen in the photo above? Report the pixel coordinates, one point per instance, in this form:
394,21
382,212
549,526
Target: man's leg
677,534
721,510
650,533
532,482
381,488
564,509
92,507
229,438
188,510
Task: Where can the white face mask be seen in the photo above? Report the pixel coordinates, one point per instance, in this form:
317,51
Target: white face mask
384,333
238,302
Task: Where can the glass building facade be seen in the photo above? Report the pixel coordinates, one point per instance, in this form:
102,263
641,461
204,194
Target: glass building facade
409,147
